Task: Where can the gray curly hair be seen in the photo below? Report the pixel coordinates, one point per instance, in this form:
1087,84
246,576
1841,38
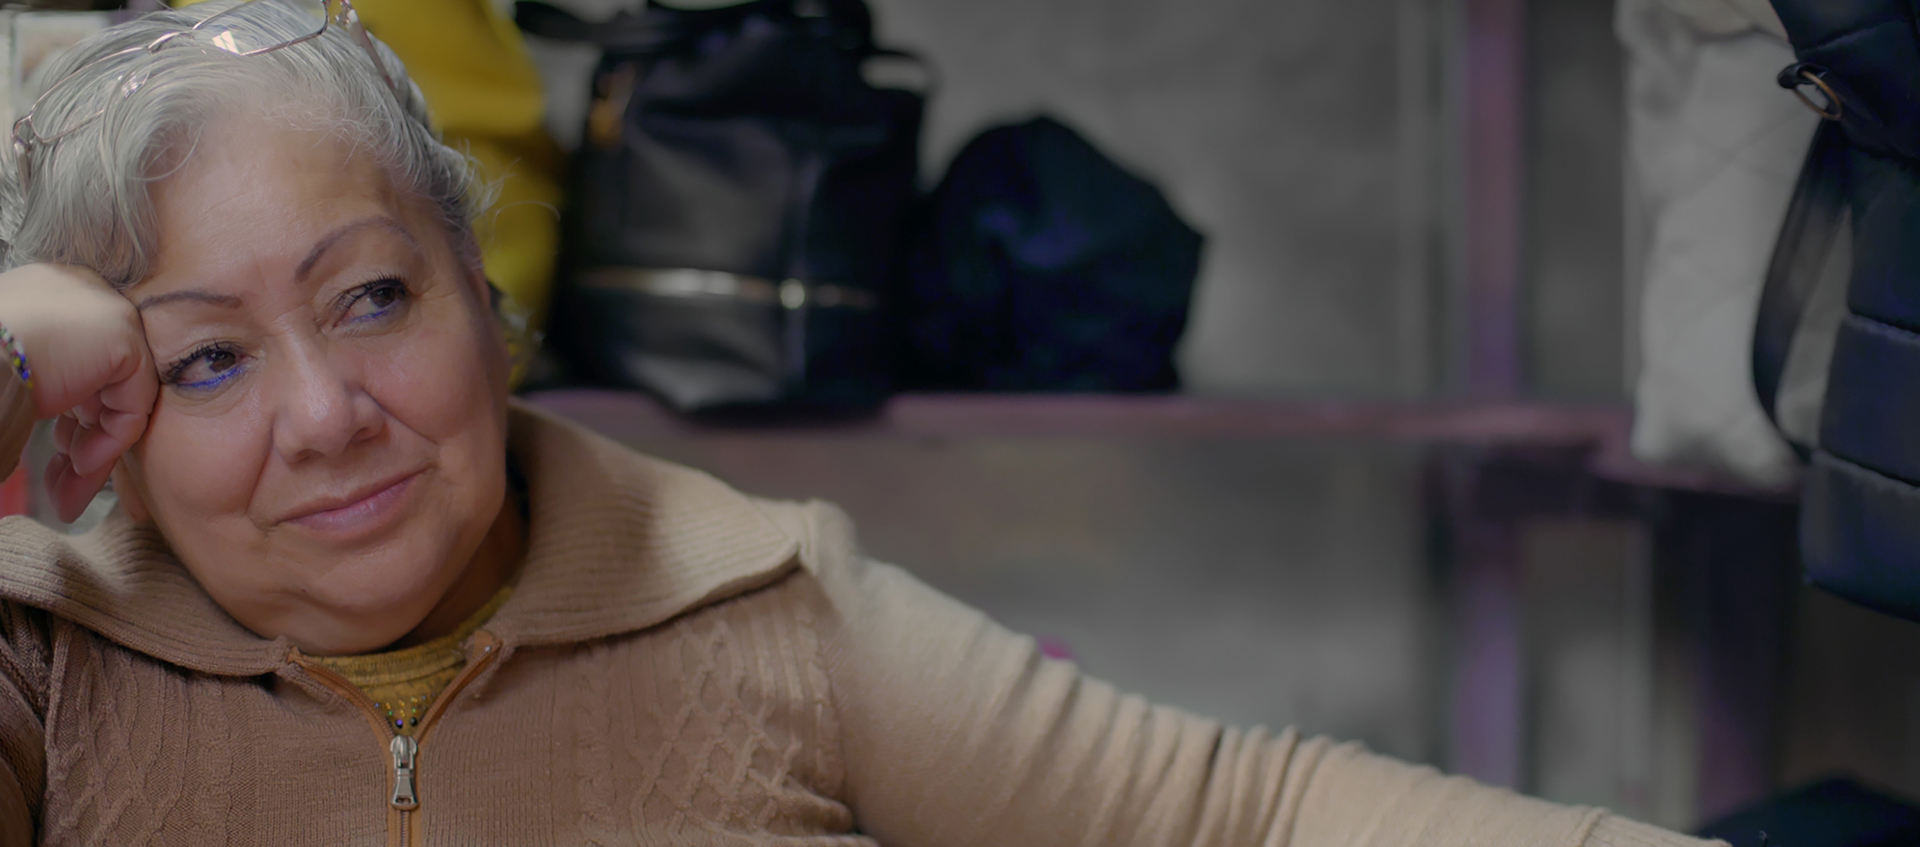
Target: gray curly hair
86,201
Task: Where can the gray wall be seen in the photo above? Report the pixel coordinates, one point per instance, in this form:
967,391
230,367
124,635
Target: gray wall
1575,311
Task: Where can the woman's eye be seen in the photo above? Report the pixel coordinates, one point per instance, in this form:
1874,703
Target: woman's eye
376,299
204,368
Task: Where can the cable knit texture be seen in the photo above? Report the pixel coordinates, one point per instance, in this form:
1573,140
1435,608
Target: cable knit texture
677,664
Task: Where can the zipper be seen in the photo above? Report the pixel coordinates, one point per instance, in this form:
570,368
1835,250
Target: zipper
399,827
485,648
403,749
404,802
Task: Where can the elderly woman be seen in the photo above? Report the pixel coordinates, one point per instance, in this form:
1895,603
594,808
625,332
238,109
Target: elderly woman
352,594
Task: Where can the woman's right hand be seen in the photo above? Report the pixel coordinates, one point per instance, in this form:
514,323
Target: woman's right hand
88,354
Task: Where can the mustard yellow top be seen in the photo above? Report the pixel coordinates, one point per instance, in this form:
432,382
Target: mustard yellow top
404,682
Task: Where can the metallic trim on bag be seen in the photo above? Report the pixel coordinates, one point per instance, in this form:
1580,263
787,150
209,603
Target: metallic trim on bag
1796,76
687,282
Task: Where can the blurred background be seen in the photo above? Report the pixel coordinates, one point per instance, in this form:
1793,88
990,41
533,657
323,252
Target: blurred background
1406,257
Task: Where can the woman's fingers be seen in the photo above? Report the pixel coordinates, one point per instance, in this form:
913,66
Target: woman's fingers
136,394
95,433
127,405
93,436
71,490
84,456
125,428
119,415
63,429
94,449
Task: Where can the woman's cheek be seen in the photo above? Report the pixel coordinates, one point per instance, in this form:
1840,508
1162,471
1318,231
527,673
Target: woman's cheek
208,467
434,384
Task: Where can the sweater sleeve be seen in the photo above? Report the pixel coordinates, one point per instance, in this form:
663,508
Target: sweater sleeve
956,731
25,653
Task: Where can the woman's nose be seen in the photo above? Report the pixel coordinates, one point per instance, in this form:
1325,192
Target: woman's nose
321,408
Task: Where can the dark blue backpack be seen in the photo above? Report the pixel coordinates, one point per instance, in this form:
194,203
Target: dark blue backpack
1041,265
1859,65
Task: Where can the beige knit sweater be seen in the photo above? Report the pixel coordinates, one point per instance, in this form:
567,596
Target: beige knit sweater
678,664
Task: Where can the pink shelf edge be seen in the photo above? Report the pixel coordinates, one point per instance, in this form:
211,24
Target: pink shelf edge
1601,429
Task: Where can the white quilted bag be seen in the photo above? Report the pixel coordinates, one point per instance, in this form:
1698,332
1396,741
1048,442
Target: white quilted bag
1713,147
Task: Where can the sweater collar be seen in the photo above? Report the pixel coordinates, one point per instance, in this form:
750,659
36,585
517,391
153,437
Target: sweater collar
616,542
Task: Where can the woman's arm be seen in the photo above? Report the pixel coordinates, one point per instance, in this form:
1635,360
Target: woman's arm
957,732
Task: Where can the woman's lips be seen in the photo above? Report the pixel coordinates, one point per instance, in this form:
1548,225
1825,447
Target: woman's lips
365,512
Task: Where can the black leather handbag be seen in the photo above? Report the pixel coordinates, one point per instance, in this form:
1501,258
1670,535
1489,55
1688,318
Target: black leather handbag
734,206
1859,65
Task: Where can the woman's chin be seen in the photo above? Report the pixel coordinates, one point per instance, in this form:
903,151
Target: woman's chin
363,627
336,644
364,602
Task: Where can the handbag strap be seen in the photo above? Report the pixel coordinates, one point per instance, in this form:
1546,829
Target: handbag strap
1807,235
551,22
625,32
656,27
659,28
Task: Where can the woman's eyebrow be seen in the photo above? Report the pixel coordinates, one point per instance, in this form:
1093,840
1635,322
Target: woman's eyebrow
300,273
227,300
330,239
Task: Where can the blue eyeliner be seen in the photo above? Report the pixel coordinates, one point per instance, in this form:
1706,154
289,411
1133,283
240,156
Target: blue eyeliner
208,384
402,294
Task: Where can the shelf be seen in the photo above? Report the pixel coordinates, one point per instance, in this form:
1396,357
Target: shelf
1154,416
1598,432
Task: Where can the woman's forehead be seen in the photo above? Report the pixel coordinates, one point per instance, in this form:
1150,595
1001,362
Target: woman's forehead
257,197
248,166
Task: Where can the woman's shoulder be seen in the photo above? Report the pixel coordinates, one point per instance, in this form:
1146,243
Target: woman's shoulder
620,541
45,567
122,582
583,481
42,567
35,562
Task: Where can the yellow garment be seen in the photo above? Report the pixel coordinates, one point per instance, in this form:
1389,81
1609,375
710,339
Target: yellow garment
404,682
484,93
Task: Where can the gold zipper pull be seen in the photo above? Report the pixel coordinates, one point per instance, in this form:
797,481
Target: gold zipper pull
404,748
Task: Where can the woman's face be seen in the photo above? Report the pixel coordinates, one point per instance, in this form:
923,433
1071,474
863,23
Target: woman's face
328,450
